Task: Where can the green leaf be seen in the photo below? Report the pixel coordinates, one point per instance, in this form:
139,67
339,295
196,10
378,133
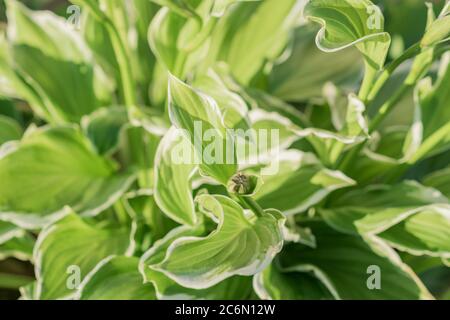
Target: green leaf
116,278
173,190
303,75
196,114
439,180
51,168
439,30
104,128
434,104
220,6
14,85
351,22
273,284
408,216
234,288
57,73
181,7
328,144
9,130
342,263
15,242
300,183
180,41
240,246
69,249
232,106
252,34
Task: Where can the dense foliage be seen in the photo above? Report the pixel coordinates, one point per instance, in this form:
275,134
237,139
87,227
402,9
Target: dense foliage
348,199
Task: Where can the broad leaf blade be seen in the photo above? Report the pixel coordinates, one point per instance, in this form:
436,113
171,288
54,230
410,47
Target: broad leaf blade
196,114
52,168
239,246
173,191
71,248
116,278
342,262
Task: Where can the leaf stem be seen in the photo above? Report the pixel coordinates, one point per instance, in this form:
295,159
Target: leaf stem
389,70
390,104
385,109
128,85
251,204
367,83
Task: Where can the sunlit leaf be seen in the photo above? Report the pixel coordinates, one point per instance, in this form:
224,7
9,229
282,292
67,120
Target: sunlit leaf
200,117
236,287
69,249
342,263
240,246
52,168
408,216
351,22
173,191
116,278
57,73
298,182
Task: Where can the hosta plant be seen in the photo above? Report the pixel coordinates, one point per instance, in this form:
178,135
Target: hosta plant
225,149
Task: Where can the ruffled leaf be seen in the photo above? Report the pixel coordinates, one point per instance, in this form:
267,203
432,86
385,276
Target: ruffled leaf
351,22
241,245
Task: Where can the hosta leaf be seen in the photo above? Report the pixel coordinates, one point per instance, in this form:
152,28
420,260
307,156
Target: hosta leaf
239,246
9,130
251,34
354,130
273,284
15,242
220,6
196,114
14,85
387,150
104,128
439,30
142,206
181,7
300,182
27,292
439,180
173,191
51,168
179,42
351,22
69,249
232,106
305,72
270,134
434,104
328,144
408,216
64,77
233,288
342,262
116,278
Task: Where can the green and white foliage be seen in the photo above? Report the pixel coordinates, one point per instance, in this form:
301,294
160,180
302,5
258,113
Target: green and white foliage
225,149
